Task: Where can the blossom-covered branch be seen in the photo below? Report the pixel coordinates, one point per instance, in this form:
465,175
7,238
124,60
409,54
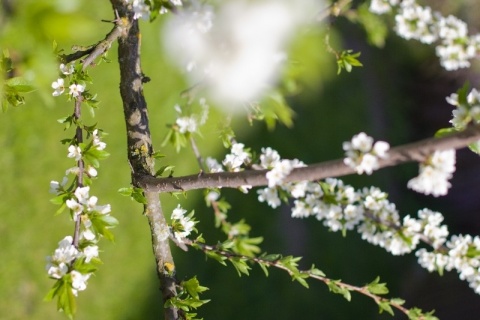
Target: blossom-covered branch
417,151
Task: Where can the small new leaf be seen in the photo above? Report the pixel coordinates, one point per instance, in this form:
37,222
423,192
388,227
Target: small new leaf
417,314
385,306
193,287
216,256
347,60
135,193
376,287
335,288
240,265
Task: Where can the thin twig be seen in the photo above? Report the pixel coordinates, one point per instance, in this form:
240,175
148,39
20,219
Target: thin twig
98,49
413,152
81,165
198,156
276,264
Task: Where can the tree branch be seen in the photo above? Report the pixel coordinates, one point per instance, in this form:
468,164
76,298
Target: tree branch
98,49
139,146
417,151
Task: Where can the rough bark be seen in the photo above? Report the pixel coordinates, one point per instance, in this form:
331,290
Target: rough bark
139,145
417,151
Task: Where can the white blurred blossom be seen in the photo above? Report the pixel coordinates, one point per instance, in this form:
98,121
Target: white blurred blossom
233,50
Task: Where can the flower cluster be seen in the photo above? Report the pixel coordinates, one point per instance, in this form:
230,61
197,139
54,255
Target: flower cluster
190,123
233,162
362,154
75,89
279,169
182,225
413,21
75,259
232,51
58,264
342,208
461,254
435,173
467,108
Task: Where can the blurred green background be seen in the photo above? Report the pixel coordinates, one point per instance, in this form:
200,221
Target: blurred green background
398,96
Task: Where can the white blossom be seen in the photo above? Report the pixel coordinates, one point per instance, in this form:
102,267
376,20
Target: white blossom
416,22
90,252
434,174
99,145
58,86
362,155
270,196
464,113
56,187
187,124
57,264
183,225
74,152
66,69
79,281
213,165
269,158
382,6
76,90
238,156
413,21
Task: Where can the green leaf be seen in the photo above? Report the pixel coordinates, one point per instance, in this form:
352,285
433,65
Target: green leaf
463,93
65,298
475,147
275,108
85,268
417,314
240,265
444,132
164,169
193,287
127,192
101,224
376,287
397,301
300,277
19,84
264,267
53,292
185,304
271,257
247,246
335,288
216,256
93,155
374,25
61,198
347,60
158,155
135,193
316,272
385,306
